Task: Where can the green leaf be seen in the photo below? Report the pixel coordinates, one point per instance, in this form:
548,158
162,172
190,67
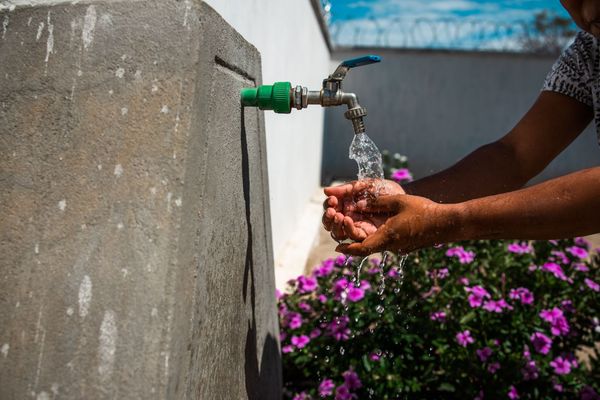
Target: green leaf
467,318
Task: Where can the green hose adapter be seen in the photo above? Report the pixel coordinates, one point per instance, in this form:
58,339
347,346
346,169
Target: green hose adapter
274,97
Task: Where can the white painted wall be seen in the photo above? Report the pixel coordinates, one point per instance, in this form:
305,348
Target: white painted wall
292,47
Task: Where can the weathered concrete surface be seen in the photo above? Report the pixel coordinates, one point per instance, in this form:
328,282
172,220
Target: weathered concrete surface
135,254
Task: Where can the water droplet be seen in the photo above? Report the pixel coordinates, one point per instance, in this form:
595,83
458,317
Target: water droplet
379,309
342,350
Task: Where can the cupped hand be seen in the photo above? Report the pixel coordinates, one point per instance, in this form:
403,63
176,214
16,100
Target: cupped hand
413,222
340,215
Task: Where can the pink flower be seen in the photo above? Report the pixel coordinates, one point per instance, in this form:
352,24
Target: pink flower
394,273
287,349
300,341
351,380
306,284
464,257
520,248
592,285
557,320
512,393
562,257
582,242
578,252
340,286
438,316
374,356
493,367
326,387
541,343
355,293
322,298
278,294
477,295
555,269
561,366
343,393
315,333
581,267
530,371
484,353
464,338
522,294
402,175
496,305
295,320
304,306
338,328
325,269
463,281
300,396
365,285
342,259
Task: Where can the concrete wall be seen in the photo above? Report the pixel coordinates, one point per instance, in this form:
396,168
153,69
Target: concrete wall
135,250
436,107
288,36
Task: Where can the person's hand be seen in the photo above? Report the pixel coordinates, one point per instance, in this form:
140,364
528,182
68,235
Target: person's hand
413,222
340,216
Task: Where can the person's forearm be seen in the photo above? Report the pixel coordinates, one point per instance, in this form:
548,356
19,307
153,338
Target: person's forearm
489,170
563,207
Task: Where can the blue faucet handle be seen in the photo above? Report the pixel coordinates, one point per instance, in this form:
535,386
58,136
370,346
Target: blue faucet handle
360,61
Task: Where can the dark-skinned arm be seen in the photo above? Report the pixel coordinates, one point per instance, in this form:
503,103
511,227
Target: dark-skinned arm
562,207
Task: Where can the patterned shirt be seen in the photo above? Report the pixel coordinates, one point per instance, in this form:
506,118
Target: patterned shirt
577,74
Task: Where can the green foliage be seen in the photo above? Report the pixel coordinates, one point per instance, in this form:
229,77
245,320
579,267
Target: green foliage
356,329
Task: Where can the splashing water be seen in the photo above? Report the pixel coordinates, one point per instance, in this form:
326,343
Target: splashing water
358,271
368,157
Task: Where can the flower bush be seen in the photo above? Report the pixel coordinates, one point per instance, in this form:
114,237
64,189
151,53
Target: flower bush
475,320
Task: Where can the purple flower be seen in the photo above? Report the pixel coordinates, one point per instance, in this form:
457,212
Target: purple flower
322,298
582,242
325,269
562,257
588,393
300,341
326,387
287,349
581,267
300,396
464,257
394,273
493,367
512,393
374,356
306,284
464,338
338,328
295,320
484,353
304,306
496,305
578,252
557,320
340,286
477,295
342,259
561,366
365,285
567,305
541,343
592,285
441,273
315,333
524,295
351,380
278,294
343,393
530,371
438,316
555,269
520,248
463,281
402,175
355,293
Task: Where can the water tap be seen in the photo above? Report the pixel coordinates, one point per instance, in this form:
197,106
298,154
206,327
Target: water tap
281,97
